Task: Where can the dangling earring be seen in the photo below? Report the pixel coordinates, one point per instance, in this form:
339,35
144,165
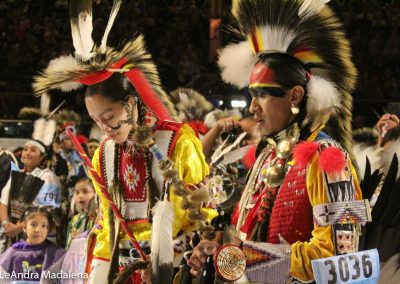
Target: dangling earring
295,109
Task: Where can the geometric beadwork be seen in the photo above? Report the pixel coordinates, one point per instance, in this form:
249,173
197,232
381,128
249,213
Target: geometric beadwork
346,212
267,263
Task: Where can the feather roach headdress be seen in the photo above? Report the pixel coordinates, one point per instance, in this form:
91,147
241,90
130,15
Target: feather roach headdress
192,108
190,104
92,64
307,31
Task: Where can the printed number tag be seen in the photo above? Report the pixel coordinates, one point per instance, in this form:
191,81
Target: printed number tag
49,195
358,267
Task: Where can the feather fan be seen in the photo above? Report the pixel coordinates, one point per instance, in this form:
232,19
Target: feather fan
162,250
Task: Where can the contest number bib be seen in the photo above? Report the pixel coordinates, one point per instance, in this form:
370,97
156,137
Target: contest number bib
358,267
49,195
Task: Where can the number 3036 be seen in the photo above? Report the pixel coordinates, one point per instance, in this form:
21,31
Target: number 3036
341,268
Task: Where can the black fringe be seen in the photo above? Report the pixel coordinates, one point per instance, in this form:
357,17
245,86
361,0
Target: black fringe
114,265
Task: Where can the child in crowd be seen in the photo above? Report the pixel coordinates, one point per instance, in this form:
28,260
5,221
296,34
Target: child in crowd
33,258
85,205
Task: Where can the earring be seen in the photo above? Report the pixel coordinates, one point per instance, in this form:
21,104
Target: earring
295,109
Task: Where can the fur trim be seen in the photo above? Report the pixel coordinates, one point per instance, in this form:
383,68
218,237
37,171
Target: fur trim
323,97
332,160
64,64
236,62
303,152
250,157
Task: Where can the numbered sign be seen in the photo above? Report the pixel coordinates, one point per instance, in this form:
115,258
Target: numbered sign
358,267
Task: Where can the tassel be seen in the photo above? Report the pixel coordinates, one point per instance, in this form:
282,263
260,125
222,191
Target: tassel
162,250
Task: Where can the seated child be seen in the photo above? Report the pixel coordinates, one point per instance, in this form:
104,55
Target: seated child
29,261
85,205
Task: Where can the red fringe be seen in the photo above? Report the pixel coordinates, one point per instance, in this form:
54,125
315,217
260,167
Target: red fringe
332,160
250,157
303,152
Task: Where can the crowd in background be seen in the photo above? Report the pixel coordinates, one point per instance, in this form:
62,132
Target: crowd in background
177,34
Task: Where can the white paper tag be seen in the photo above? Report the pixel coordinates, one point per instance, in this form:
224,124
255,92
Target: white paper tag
358,267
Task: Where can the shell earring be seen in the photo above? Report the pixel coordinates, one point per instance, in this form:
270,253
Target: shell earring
295,109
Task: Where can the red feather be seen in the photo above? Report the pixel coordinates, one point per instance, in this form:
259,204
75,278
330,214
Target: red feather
250,157
332,160
147,94
303,152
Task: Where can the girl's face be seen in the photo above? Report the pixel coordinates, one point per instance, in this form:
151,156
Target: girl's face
31,157
115,119
84,192
36,229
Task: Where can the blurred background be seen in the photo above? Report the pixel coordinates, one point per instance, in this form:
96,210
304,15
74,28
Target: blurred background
183,37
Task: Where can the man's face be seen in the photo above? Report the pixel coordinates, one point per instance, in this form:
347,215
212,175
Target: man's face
272,114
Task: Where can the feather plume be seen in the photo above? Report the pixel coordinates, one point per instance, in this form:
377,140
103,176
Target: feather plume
162,250
311,7
236,62
387,155
235,155
322,96
113,15
29,113
39,128
190,105
82,27
43,130
362,152
65,64
45,103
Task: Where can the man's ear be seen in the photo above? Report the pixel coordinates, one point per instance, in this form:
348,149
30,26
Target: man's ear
296,94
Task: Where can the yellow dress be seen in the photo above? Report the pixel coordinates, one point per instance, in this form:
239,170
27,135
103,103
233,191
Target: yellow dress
189,161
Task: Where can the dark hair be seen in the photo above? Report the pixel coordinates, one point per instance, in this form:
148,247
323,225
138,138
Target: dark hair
117,89
44,211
